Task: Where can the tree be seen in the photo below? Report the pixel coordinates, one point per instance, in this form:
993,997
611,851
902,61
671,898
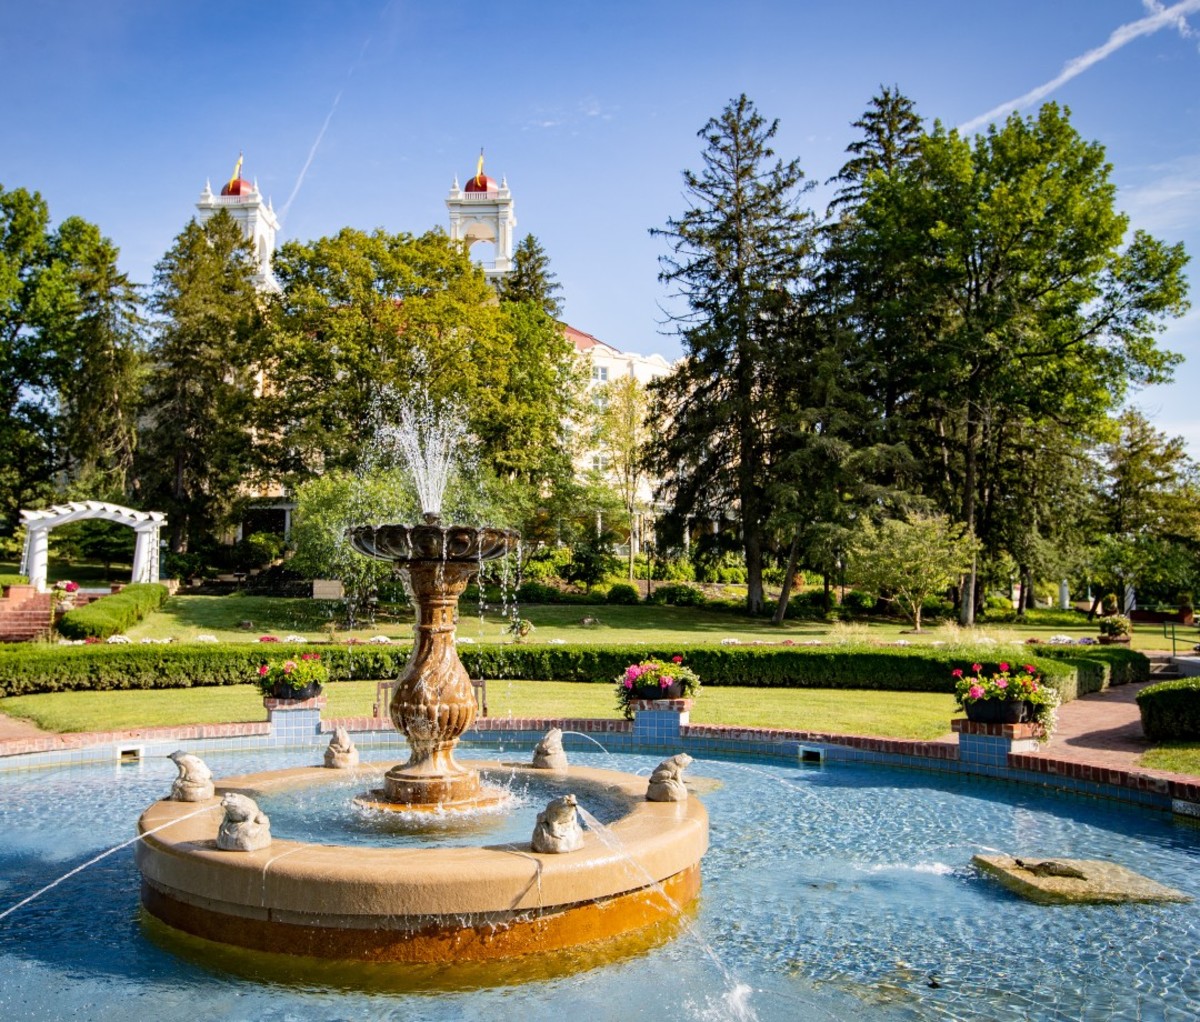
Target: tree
891,139
739,255
1015,302
531,279
621,435
206,351
912,560
69,340
326,507
367,316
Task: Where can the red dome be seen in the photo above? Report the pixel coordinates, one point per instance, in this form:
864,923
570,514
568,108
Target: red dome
482,183
238,186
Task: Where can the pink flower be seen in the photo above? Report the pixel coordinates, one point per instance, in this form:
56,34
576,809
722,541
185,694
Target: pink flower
628,682
1001,683
956,673
676,659
977,668
1003,668
664,681
263,670
289,666
71,587
975,692
632,673
268,638
1029,668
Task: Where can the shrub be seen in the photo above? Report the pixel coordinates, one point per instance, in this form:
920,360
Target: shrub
623,593
1171,710
112,614
857,602
1116,626
14,580
680,595
678,569
548,563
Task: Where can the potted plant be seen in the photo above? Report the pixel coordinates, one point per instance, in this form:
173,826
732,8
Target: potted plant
1114,628
63,595
299,678
1006,697
655,679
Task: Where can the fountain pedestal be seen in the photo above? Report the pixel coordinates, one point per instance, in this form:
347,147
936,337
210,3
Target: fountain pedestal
434,702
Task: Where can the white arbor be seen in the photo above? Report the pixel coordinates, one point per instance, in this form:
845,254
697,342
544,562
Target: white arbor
146,525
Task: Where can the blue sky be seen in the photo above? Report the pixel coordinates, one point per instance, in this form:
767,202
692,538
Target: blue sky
361,114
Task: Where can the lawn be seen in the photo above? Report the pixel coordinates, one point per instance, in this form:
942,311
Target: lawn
919,715
226,617
1178,757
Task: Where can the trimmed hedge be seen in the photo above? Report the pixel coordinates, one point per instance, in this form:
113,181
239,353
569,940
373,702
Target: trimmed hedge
1171,710
1119,665
113,614
13,580
30,669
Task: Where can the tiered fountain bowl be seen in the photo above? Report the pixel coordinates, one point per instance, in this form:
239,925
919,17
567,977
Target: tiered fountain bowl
434,701
425,904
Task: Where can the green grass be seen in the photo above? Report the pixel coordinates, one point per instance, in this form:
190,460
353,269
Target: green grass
184,617
919,715
1178,757
86,573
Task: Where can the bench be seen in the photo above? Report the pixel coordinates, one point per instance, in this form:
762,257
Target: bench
384,690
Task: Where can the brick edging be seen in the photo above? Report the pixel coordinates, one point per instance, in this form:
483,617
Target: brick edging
88,739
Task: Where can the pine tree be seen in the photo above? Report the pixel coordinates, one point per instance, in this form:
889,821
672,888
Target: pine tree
891,138
531,279
197,442
739,257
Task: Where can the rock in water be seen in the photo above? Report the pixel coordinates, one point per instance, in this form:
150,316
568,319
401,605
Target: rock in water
549,755
666,783
194,783
245,827
341,753
557,828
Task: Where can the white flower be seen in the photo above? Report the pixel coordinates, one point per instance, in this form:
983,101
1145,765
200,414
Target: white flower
207,638
812,642
379,640
731,642
150,642
119,640
294,638
1060,640
556,642
70,642
465,641
901,642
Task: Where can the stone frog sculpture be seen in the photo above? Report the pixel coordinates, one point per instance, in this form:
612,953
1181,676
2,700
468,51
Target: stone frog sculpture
549,755
666,783
245,827
342,754
557,828
194,783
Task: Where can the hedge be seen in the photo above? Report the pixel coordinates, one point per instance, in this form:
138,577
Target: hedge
13,580
29,669
110,615
1119,665
1171,710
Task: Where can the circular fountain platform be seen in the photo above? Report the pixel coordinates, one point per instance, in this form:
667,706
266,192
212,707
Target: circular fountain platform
421,904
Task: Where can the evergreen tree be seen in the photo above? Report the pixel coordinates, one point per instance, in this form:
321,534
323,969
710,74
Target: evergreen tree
531,279
891,138
205,355
739,256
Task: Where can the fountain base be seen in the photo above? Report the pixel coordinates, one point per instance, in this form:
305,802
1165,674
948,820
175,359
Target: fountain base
380,799
421,904
433,791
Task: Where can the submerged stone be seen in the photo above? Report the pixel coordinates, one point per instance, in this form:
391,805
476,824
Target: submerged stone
1074,881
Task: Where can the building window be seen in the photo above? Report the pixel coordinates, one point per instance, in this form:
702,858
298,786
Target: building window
599,401
599,374
599,462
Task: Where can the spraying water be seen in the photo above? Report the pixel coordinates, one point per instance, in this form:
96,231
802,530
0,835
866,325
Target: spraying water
429,438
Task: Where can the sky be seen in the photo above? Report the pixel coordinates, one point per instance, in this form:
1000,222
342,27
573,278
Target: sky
361,113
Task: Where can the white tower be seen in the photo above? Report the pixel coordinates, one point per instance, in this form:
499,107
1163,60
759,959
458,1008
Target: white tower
257,219
484,211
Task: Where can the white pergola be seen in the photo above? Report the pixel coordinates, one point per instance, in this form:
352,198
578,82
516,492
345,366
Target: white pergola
146,525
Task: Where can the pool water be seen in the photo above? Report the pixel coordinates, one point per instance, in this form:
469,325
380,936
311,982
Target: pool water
328,813
835,892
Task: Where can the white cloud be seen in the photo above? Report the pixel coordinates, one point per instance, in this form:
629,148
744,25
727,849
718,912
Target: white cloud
1167,200
1159,18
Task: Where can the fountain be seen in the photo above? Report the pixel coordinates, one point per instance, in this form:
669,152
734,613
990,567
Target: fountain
560,890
